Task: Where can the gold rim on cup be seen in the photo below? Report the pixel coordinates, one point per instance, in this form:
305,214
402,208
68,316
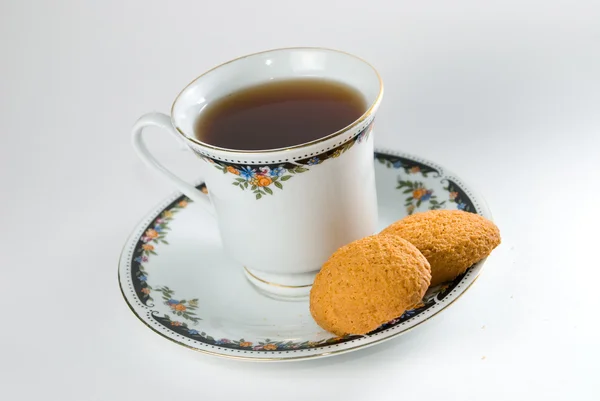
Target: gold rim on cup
361,119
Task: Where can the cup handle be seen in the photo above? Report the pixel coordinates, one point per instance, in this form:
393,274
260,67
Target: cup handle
163,121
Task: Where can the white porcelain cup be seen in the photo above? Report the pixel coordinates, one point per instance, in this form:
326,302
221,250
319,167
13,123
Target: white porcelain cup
281,212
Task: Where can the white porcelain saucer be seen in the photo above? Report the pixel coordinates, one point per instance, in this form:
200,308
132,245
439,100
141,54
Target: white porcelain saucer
178,281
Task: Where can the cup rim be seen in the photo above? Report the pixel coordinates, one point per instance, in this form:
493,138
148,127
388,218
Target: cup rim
349,127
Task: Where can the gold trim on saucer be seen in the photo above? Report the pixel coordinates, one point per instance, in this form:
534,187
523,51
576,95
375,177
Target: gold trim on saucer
275,284
293,358
361,119
280,359
142,311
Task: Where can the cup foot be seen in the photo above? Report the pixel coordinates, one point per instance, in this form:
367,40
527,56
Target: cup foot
290,287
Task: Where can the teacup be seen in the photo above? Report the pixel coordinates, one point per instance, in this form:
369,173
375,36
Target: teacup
281,212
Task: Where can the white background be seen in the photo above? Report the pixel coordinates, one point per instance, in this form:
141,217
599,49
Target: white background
505,93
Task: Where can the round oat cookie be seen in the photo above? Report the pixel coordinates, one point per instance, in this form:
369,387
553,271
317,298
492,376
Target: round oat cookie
451,240
368,283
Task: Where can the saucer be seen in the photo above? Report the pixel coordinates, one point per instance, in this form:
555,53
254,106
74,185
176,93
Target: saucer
177,280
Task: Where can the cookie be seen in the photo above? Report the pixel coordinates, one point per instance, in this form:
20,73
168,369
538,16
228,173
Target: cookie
451,240
368,283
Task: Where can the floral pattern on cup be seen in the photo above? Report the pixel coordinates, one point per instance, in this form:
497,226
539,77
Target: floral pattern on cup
259,180
262,180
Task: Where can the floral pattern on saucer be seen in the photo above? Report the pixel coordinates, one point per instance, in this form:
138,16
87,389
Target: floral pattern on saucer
457,196
184,311
181,319
408,166
155,234
410,182
262,180
267,344
181,307
418,194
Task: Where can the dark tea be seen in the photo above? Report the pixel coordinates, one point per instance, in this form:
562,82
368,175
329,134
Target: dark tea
279,114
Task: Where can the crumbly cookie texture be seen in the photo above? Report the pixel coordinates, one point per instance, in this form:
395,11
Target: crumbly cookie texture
368,283
451,240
